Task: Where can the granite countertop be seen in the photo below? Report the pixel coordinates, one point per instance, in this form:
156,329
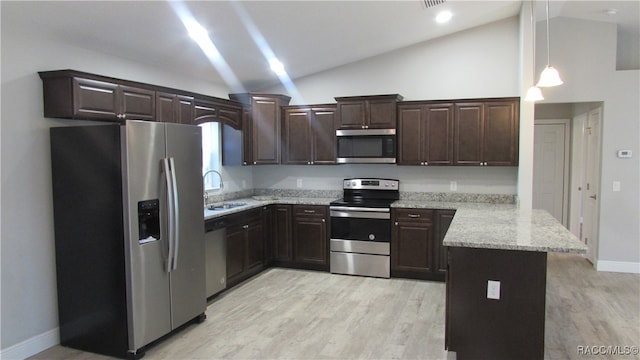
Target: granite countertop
258,201
511,229
476,225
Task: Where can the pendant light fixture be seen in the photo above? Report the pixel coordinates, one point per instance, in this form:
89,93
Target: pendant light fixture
534,93
549,76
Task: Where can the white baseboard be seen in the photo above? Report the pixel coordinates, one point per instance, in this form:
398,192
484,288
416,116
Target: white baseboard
31,346
619,266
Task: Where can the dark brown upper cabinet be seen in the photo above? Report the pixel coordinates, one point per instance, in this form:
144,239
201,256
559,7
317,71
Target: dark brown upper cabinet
486,132
309,135
173,108
206,110
237,146
367,112
72,94
74,97
425,133
264,113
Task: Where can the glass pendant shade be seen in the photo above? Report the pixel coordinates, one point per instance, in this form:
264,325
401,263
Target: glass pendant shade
549,77
534,94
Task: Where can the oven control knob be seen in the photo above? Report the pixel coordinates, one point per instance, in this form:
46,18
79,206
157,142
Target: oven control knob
353,183
372,237
347,184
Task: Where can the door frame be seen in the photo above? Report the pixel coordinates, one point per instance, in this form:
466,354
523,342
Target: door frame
592,252
567,164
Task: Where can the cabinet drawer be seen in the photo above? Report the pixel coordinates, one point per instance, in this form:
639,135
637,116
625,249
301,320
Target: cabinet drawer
310,210
415,215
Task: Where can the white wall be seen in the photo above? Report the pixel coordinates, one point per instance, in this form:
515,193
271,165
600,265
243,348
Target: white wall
481,62
584,52
29,305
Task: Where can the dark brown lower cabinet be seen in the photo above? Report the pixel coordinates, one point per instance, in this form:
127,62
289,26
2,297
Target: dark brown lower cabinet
443,221
412,243
267,234
310,237
281,234
509,327
236,249
294,236
255,244
245,246
416,243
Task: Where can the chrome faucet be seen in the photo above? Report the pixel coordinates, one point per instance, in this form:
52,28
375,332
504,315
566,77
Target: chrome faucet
206,194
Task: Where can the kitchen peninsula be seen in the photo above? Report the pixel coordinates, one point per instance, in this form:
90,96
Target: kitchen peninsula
496,273
496,281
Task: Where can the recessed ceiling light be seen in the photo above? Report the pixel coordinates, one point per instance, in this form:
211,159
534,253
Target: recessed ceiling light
277,67
443,17
197,32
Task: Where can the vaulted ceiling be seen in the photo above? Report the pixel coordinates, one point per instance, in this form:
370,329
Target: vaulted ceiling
306,36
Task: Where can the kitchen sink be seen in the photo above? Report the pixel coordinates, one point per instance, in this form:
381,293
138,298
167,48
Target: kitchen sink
226,205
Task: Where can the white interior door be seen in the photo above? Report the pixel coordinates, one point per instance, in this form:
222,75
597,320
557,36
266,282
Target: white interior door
591,187
551,167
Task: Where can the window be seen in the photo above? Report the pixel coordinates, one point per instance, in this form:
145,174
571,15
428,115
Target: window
211,153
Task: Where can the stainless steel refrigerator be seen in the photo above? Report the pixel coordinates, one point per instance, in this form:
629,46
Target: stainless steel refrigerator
129,233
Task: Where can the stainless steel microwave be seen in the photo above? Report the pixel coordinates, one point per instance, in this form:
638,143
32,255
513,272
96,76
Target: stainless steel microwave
368,146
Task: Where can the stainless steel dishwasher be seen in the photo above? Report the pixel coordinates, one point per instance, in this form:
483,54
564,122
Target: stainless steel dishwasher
215,255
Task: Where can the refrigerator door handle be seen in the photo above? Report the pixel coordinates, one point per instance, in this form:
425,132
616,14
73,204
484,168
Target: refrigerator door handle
176,214
170,207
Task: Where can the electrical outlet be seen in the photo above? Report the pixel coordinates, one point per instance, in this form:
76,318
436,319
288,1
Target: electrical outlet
453,185
493,290
299,183
616,186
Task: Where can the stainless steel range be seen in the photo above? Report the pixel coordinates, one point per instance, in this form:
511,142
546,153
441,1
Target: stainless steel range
361,227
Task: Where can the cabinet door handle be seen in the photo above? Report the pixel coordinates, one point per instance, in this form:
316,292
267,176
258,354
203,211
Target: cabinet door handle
485,163
255,162
323,220
414,215
396,223
310,211
426,163
245,226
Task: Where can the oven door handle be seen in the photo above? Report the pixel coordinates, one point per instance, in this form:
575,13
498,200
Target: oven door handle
359,209
360,214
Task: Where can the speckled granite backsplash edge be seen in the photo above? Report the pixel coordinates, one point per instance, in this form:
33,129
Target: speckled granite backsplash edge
416,196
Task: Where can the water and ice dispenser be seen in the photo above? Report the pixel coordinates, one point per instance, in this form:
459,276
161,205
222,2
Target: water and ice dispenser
148,221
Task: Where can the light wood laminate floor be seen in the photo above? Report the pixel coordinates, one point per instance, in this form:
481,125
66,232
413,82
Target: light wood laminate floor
295,314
